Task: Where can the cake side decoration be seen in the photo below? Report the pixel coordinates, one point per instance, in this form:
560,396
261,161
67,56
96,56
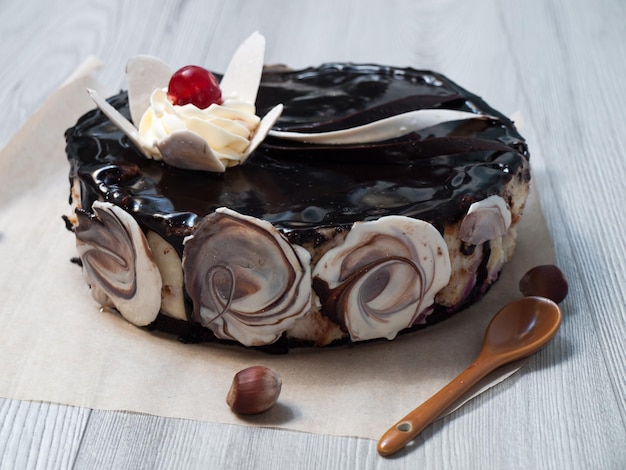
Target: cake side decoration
485,220
384,277
170,266
246,281
118,264
192,122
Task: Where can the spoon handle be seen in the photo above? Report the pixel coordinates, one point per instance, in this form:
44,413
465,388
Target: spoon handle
417,420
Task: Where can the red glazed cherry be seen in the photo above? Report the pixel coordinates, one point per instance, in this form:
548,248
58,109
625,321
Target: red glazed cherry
195,85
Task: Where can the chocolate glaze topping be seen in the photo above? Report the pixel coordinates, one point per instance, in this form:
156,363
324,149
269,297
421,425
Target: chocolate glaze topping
434,175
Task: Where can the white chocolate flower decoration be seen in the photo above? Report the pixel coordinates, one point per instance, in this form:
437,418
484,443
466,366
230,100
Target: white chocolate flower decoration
247,282
486,220
212,127
118,264
383,276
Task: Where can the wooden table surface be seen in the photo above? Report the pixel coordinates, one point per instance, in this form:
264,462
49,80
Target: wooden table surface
560,63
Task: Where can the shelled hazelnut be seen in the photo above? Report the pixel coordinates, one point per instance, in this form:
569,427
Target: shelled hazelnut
545,281
254,390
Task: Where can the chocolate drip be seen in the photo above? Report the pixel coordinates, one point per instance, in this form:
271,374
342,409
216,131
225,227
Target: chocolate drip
433,176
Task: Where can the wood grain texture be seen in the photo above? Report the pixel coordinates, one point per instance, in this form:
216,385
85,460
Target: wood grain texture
40,435
559,63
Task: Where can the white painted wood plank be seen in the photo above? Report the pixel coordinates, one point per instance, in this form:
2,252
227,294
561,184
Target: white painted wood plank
580,132
39,435
561,63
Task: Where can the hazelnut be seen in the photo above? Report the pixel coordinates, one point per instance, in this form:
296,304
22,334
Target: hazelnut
254,390
544,281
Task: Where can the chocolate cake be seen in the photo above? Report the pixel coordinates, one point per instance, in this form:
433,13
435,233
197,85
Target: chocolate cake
309,241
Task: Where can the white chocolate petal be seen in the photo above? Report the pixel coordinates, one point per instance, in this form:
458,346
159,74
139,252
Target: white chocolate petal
119,120
485,220
187,137
144,74
383,129
171,269
118,263
243,74
187,150
262,130
384,275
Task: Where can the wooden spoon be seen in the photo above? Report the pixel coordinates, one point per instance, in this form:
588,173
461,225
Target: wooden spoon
519,329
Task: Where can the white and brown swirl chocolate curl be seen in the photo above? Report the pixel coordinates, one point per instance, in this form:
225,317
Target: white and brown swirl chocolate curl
383,276
247,282
117,263
485,220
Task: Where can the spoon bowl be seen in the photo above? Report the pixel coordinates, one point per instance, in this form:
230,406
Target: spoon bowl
519,329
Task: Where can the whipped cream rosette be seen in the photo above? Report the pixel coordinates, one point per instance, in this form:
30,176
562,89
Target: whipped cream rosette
187,136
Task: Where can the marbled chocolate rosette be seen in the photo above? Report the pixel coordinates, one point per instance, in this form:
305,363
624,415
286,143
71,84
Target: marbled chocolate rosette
385,274
118,264
485,220
247,282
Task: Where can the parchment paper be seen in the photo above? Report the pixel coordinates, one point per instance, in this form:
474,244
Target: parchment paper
56,346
